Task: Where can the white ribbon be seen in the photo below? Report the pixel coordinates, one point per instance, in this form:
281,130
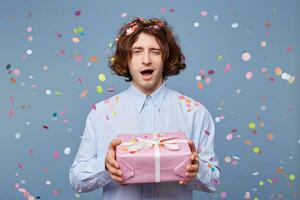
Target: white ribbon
141,143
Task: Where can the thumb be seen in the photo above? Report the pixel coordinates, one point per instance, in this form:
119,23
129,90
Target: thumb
192,146
115,143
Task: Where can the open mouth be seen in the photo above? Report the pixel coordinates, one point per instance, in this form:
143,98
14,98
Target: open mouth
147,73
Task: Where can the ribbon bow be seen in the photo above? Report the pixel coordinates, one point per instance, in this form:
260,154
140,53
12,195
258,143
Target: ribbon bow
155,142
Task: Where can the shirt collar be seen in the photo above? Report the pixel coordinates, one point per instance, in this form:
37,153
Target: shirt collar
139,97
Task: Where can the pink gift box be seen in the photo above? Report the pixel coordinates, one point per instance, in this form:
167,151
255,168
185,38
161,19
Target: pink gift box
157,157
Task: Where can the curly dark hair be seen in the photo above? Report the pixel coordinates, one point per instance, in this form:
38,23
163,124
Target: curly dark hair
173,58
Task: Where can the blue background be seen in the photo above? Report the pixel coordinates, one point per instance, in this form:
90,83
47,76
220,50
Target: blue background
37,127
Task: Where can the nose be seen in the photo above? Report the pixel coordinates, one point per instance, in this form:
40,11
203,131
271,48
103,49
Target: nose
146,59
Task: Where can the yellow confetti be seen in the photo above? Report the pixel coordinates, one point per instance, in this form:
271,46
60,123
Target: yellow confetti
256,150
58,93
252,125
99,89
101,77
220,57
292,177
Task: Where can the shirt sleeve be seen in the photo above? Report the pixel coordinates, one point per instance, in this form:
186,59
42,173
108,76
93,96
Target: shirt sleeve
88,170
209,171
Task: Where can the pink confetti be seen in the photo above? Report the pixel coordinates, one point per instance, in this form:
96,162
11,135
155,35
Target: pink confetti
11,113
203,13
31,151
94,106
207,132
77,13
56,192
172,10
78,58
229,136
207,80
45,127
24,56
162,10
55,155
21,166
58,35
62,52
223,194
249,75
211,72
227,68
181,97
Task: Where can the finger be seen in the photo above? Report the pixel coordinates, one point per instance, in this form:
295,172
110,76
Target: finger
115,143
192,146
182,182
112,161
192,168
190,174
116,178
114,171
194,158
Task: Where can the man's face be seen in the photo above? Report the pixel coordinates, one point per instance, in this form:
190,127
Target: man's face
146,64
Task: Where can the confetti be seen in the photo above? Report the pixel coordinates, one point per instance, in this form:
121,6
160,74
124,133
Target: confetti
223,194
249,75
227,68
75,39
203,13
246,56
235,25
67,150
83,93
123,15
55,155
48,92
77,13
101,77
18,135
29,52
256,150
263,44
93,59
99,89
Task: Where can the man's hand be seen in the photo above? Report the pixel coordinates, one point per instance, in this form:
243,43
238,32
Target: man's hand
111,165
192,169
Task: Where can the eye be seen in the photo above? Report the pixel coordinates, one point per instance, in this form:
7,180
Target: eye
156,52
136,51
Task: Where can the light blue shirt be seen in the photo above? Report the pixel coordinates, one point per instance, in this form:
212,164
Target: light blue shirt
132,111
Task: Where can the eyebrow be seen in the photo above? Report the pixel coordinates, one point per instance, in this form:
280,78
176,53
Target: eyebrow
152,48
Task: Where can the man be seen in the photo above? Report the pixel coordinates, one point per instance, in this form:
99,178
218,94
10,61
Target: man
146,54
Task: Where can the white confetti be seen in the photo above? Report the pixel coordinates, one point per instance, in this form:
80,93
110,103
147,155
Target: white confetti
67,151
235,25
48,92
29,51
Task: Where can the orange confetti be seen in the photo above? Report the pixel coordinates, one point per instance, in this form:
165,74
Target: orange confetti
278,71
83,93
93,58
270,136
279,170
13,80
248,142
200,85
